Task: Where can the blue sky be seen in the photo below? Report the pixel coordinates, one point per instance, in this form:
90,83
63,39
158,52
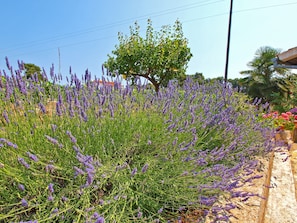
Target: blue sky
86,31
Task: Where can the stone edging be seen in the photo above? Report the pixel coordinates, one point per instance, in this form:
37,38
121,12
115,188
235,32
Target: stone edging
265,193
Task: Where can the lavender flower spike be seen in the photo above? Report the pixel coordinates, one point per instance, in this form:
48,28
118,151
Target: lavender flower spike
73,139
134,171
8,143
78,171
32,156
144,168
49,168
23,162
50,198
99,219
5,115
51,188
24,202
21,187
53,141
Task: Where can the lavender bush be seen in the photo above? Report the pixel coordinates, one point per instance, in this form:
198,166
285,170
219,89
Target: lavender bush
87,152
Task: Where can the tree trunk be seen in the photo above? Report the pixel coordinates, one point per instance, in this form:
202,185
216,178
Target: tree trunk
157,87
152,80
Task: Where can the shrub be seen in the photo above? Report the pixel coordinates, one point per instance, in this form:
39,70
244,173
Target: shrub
123,154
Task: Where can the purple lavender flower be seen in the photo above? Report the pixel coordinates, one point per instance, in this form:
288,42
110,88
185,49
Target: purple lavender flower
90,209
42,108
8,89
51,188
208,201
134,171
52,72
160,210
21,187
60,99
90,168
23,162
56,210
103,100
5,115
24,202
78,171
50,198
76,149
84,115
21,65
121,167
54,127
95,215
229,206
174,142
59,109
53,141
144,168
73,139
32,156
7,63
111,110
8,143
11,144
99,220
139,214
90,178
49,168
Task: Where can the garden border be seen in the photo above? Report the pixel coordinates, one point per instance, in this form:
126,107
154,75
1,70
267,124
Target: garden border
265,193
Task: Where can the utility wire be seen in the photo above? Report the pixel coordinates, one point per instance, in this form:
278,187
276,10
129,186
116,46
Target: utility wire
239,11
111,25
186,21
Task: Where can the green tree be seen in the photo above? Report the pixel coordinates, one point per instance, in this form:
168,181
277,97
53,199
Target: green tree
263,80
199,77
159,57
31,69
238,83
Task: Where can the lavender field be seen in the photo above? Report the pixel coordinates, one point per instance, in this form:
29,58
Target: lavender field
89,152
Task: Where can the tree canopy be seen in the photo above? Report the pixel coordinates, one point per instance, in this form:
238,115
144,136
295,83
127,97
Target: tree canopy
158,57
263,80
32,69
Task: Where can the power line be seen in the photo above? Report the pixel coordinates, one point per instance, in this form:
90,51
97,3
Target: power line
239,11
186,21
111,25
265,7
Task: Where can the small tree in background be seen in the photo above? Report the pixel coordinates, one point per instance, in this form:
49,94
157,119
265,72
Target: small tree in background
32,69
159,57
263,80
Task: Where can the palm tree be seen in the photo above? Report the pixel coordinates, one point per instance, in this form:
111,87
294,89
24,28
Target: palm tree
264,80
